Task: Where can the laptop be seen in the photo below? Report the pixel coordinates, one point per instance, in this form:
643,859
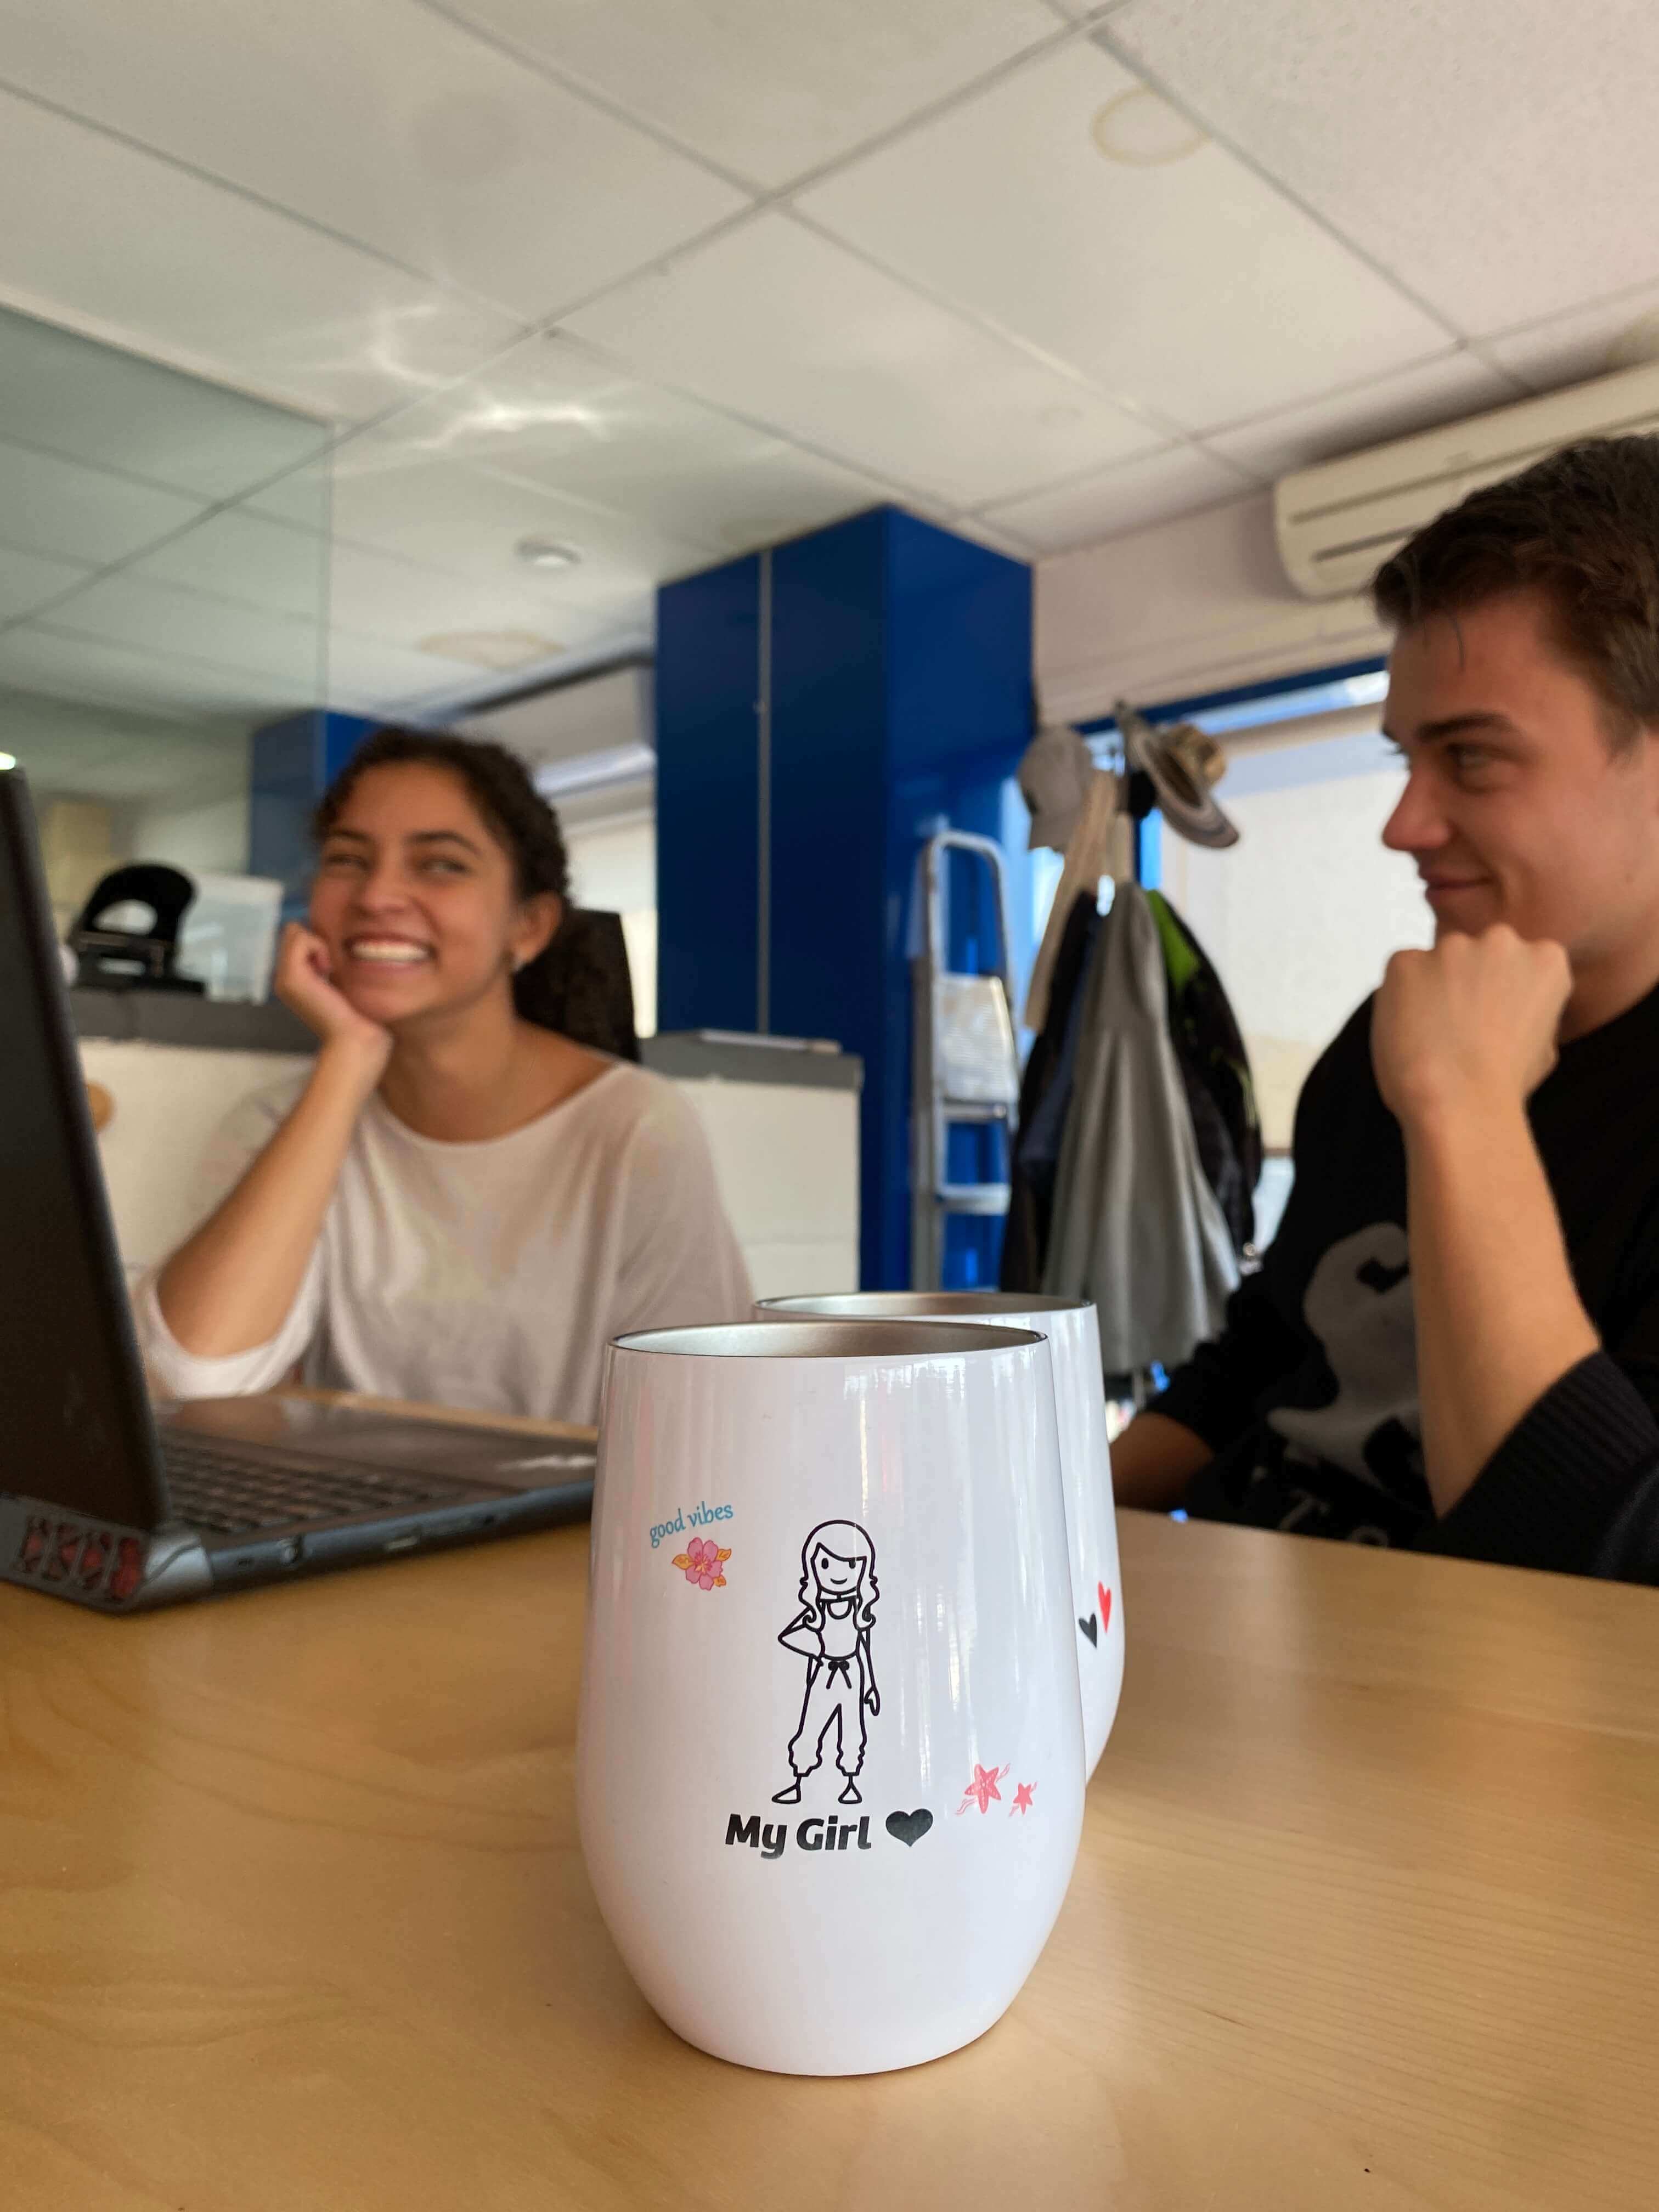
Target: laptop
112,1504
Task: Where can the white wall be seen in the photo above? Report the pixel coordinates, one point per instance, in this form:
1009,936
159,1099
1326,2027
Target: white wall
613,866
1186,607
206,840
786,1159
168,1102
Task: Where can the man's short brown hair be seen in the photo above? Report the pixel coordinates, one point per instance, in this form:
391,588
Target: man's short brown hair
1582,529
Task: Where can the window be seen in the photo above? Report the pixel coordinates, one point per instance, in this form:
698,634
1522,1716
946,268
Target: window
1300,916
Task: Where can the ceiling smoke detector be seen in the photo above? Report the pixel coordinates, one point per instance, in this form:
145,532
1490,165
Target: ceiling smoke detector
1144,131
547,553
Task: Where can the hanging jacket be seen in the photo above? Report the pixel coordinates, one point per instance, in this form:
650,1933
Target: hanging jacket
1044,1096
1136,1225
1215,1070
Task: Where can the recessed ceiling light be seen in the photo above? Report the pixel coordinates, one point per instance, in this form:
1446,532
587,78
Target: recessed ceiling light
492,648
546,553
1144,131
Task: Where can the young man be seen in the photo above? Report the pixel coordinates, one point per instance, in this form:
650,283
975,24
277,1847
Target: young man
1454,1340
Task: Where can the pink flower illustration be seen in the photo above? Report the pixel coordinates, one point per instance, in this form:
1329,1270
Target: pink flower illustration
702,1563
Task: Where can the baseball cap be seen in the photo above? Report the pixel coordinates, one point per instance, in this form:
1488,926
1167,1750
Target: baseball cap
1053,781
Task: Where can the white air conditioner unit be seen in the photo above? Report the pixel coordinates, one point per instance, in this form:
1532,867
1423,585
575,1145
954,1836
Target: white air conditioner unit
1336,523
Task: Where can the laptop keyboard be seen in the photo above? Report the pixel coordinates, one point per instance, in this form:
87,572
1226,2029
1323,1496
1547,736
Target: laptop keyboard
229,1493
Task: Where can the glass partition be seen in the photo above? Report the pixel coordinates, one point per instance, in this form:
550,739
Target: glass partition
163,591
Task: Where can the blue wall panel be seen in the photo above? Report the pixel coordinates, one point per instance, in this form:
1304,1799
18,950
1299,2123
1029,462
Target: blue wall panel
829,975
901,670
959,662
292,763
708,799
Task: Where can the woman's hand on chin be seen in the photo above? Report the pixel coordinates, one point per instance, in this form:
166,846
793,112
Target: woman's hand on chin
304,984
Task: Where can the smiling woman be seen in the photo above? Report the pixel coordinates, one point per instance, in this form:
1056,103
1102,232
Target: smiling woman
458,1203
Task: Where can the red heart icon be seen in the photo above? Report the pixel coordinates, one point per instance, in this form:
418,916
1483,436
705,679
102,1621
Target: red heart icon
1105,1597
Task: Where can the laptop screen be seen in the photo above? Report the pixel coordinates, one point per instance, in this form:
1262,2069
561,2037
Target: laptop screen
74,1423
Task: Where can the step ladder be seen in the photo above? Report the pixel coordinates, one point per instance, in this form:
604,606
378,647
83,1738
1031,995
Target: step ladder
964,1067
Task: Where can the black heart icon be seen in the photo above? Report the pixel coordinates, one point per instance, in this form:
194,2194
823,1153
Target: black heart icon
910,1827
1091,1627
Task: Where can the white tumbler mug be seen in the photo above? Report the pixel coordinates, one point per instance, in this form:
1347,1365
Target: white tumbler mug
829,1760
1072,1329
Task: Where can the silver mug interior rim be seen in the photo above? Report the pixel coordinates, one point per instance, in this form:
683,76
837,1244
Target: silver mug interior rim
820,1338
917,1305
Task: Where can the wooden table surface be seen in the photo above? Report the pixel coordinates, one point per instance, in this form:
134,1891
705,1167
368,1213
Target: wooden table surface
294,1916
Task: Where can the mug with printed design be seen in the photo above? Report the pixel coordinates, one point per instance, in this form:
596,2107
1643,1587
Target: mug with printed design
1072,1329
830,1759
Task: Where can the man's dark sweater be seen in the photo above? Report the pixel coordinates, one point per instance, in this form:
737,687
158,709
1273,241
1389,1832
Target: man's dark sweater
1309,1397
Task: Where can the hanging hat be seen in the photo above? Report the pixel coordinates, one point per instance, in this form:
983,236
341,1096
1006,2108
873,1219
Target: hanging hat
1183,761
1053,781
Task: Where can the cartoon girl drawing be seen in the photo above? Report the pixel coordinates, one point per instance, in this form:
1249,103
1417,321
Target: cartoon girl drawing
838,1593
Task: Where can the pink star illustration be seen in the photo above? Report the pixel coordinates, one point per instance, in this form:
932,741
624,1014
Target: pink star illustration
982,1788
1024,1792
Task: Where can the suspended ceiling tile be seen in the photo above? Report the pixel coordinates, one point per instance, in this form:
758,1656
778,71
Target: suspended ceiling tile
764,491
241,555
86,668
378,595
1497,155
304,499
794,331
1152,489
467,520
28,580
186,776
552,415
254,297
132,610
379,676
120,757
546,389
69,395
57,770
386,124
981,530
1420,398
773,492
1184,281
773,88
1614,334
625,638
57,507
92,734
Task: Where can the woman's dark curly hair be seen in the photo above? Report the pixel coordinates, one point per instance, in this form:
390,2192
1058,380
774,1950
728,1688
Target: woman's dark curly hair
518,817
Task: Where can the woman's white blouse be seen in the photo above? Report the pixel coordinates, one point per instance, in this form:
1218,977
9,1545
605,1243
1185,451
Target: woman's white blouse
489,1275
